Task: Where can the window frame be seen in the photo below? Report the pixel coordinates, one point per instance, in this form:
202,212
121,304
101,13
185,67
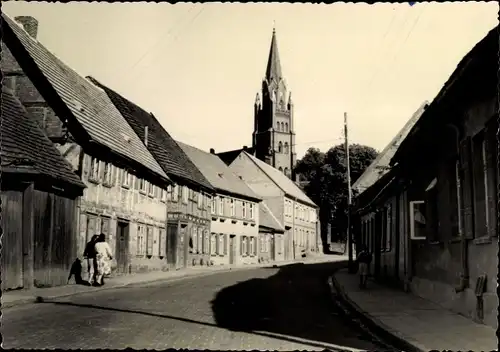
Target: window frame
95,167
232,207
251,212
220,205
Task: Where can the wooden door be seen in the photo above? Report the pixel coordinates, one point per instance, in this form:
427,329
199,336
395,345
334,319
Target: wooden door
182,249
172,236
12,239
272,245
122,247
377,238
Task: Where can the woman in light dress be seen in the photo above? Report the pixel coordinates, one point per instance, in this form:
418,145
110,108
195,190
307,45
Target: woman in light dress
103,259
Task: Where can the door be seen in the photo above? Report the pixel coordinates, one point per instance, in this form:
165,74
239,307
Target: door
122,247
172,236
183,247
232,249
12,239
377,242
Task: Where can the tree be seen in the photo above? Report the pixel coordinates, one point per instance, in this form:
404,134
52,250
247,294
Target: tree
326,182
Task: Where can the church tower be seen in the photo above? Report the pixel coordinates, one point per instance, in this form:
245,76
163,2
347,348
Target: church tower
274,138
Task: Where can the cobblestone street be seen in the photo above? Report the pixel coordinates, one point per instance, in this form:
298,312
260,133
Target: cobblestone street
268,309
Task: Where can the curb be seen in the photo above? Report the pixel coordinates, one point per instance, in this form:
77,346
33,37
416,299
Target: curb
187,275
374,324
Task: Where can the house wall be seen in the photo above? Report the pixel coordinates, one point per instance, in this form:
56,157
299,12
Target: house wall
266,246
439,266
241,224
106,201
190,211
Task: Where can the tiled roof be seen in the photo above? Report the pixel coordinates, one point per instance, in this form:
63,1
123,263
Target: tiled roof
165,149
268,220
282,181
229,156
25,145
88,104
217,173
380,166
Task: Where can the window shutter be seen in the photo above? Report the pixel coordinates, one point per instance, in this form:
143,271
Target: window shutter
492,174
225,244
242,240
91,226
102,166
162,248
200,240
467,196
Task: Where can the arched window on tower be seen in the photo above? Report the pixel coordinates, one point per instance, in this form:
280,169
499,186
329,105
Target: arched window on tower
282,127
281,169
278,127
286,127
285,148
286,171
280,147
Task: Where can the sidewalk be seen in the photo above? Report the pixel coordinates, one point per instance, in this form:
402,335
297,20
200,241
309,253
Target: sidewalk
423,324
18,297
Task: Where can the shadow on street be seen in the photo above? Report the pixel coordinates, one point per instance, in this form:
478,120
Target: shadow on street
295,302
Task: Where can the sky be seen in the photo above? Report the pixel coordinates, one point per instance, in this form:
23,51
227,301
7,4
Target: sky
198,67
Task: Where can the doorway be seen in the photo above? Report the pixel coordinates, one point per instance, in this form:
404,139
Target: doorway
172,231
232,249
122,246
272,244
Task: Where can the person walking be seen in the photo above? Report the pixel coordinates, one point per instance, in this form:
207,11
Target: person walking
89,255
364,260
103,259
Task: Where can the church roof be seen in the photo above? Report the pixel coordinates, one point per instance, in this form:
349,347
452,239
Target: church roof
273,71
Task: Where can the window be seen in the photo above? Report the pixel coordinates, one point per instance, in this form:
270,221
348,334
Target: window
220,247
268,244
221,205
417,220
480,188
200,200
141,240
280,147
231,207
94,168
200,240
286,126
244,209
206,242
185,194
280,169
164,194
107,173
253,246
149,240
175,193
141,185
243,240
213,244
162,248
285,148
250,208
193,243
213,206
278,126
388,229
125,179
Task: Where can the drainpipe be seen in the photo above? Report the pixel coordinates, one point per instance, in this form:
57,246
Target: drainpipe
293,225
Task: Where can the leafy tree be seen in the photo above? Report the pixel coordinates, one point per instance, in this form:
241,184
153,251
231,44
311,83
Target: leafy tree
326,182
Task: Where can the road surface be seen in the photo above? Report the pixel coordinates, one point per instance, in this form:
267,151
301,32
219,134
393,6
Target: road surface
286,308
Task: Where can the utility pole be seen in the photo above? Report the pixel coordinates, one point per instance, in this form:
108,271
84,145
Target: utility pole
348,176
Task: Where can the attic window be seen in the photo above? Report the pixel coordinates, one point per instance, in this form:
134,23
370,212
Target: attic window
126,138
78,105
220,174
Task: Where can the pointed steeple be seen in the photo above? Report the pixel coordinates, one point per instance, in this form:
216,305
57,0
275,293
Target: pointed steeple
273,71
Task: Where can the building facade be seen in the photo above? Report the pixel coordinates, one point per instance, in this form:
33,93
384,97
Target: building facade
188,199
437,208
234,212
273,138
286,201
271,236
123,197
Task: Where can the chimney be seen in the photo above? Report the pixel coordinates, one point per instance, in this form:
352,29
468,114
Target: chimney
212,151
146,136
245,147
30,25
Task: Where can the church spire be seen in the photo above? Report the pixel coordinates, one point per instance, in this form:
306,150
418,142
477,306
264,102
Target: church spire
273,71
